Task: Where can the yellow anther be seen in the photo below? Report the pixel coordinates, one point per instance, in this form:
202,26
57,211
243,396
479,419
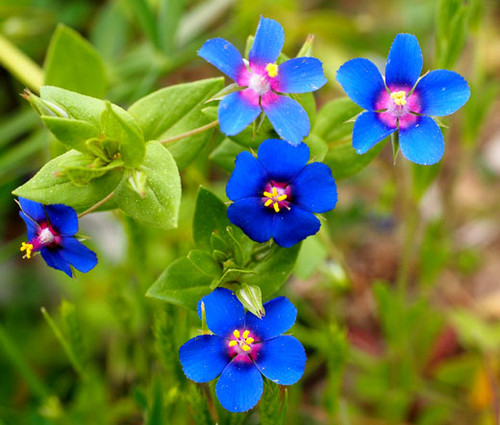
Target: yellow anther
246,333
236,333
233,343
249,340
245,348
28,247
399,97
275,192
268,202
272,69
276,207
281,198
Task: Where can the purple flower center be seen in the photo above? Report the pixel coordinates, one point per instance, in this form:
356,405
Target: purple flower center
276,196
46,236
242,345
398,107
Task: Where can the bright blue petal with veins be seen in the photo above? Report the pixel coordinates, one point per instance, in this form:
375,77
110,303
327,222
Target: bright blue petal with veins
204,357
239,387
224,312
53,258
282,360
423,143
267,44
280,316
224,56
282,160
63,219
442,92
404,62
252,217
300,75
33,209
31,226
368,131
249,178
292,226
77,254
314,188
287,116
362,82
236,112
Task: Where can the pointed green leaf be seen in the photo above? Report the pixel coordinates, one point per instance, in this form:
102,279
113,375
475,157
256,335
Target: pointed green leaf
251,298
72,133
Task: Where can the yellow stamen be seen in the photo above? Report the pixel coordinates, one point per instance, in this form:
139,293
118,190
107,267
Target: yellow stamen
249,340
274,199
275,191
236,333
281,198
399,97
246,333
268,202
245,348
233,343
272,69
28,247
276,207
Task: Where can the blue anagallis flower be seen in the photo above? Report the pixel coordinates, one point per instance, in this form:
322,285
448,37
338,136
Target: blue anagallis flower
243,348
51,230
276,194
264,79
404,102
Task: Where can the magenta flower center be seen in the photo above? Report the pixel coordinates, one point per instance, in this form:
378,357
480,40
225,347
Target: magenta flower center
398,107
242,344
276,196
259,83
46,236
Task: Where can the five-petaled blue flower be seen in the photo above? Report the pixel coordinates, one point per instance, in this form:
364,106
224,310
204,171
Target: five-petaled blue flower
243,348
403,102
264,79
51,230
277,194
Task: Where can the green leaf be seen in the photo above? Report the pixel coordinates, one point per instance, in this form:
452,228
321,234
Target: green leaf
51,186
205,263
175,110
312,254
82,175
182,283
72,133
317,147
251,298
209,216
225,154
123,128
72,63
160,205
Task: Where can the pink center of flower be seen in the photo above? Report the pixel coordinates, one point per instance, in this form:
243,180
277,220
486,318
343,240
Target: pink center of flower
259,83
243,345
276,196
46,236
398,107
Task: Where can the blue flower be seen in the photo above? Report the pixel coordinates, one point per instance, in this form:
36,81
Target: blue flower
277,194
403,102
243,348
264,78
51,230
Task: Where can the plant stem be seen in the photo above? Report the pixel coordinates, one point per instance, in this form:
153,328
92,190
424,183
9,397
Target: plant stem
97,205
190,133
20,65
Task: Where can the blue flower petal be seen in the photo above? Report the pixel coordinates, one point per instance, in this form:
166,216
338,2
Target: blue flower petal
237,111
314,188
249,178
31,226
53,258
239,387
252,217
33,209
62,218
404,62
282,160
287,116
282,360
422,143
300,75
362,82
77,254
267,44
204,357
224,56
368,131
292,226
224,312
442,92
280,316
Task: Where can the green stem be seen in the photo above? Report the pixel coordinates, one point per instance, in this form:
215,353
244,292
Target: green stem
190,133
97,205
20,65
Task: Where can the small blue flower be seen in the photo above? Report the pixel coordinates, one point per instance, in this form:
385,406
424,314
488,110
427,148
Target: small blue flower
264,79
277,194
51,230
243,348
404,102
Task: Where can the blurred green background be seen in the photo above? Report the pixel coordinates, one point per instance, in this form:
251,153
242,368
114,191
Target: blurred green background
398,295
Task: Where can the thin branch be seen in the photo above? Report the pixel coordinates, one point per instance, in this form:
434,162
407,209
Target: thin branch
190,133
94,207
